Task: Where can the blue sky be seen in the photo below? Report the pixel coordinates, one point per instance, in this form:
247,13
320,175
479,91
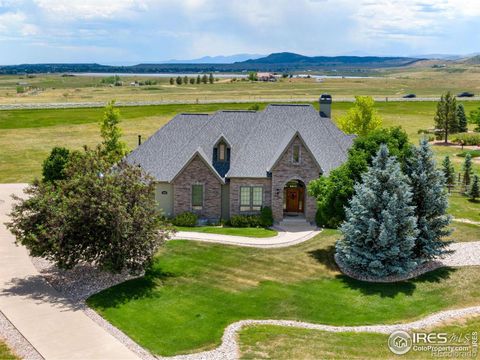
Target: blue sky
129,31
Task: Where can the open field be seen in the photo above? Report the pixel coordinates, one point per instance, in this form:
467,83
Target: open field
27,136
274,342
421,80
195,290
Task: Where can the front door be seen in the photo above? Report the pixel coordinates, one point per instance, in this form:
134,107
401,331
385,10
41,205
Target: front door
294,199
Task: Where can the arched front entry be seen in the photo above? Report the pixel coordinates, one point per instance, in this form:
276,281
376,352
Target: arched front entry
294,197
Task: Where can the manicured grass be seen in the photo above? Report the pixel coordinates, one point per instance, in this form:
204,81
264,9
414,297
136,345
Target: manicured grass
463,208
5,353
248,232
473,153
463,232
195,290
274,342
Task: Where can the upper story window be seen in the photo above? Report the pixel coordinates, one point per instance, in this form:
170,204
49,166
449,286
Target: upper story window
296,154
222,152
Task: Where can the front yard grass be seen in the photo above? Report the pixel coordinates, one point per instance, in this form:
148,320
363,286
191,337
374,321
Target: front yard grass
275,342
248,232
460,207
194,290
5,353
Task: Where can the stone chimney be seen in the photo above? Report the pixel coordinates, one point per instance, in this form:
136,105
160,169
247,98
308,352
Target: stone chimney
325,105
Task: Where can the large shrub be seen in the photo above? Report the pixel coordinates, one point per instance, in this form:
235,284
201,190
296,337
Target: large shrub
335,190
53,167
469,139
96,215
185,219
380,231
266,216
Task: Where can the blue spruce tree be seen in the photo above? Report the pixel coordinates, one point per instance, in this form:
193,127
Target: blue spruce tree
380,228
430,202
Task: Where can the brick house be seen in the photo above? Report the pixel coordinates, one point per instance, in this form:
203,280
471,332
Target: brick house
235,162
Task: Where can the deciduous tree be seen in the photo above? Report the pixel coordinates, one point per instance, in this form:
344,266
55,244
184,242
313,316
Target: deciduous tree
362,118
112,147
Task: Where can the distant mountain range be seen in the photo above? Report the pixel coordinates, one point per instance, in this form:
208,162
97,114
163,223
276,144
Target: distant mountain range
276,62
220,59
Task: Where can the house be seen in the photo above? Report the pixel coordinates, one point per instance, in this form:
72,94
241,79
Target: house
235,161
266,76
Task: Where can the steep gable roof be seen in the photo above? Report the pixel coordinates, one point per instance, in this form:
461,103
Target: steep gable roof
256,139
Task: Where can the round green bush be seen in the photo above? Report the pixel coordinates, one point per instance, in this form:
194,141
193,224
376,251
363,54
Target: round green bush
185,219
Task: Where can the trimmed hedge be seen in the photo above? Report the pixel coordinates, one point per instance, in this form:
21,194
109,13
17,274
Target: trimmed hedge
185,219
264,219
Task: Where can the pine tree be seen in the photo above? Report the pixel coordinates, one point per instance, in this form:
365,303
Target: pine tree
462,119
185,80
448,172
467,170
179,80
112,147
380,231
474,192
446,116
172,81
204,78
198,79
430,202
210,78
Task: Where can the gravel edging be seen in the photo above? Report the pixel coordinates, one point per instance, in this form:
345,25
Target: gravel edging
16,342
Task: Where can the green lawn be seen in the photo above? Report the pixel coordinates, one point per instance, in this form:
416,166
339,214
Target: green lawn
5,353
248,232
462,208
274,342
195,290
462,232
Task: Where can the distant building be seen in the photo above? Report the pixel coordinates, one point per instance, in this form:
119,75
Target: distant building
266,76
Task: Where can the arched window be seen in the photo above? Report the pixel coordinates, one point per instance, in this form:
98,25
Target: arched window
222,152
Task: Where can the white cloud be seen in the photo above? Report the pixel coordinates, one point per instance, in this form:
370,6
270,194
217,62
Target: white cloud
15,24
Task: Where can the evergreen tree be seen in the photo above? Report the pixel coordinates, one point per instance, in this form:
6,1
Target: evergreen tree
172,81
192,81
474,192
380,231
430,203
467,170
112,147
475,119
448,172
446,116
462,118
198,79
185,80
210,78
54,166
179,80
204,78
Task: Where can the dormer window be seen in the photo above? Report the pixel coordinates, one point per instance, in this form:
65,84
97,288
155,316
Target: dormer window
222,152
296,154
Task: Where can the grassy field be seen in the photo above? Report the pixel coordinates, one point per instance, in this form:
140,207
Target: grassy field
248,232
273,342
195,290
421,80
5,353
27,136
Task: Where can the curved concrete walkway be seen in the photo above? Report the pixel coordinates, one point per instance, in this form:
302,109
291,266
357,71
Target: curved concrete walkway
286,237
54,326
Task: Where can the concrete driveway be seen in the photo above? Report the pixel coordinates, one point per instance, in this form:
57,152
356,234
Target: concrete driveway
55,327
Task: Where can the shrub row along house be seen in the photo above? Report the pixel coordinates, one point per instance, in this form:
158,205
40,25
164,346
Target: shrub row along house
235,162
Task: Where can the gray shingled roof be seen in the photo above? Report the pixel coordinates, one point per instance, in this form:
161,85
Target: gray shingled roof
257,139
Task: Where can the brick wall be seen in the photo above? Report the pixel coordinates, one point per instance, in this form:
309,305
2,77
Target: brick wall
285,170
197,172
236,183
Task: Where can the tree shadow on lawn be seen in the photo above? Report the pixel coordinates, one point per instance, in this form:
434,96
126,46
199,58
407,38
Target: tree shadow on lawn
325,256
392,289
129,290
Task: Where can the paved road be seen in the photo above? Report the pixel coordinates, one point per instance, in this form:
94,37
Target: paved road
55,327
72,105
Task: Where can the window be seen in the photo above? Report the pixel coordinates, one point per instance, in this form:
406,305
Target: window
296,154
221,152
251,198
197,197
